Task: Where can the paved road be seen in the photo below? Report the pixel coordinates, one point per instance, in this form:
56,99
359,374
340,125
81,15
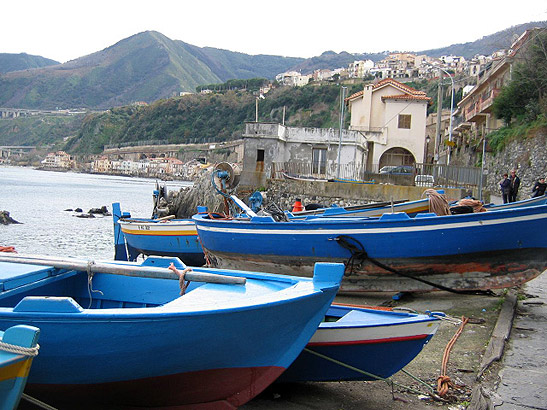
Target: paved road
523,375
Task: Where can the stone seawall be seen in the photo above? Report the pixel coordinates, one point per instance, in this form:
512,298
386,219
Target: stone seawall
528,155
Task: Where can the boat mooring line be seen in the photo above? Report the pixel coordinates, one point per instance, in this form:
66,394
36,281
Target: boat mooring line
388,380
37,402
345,242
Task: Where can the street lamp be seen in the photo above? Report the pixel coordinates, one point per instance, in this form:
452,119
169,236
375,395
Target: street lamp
451,112
427,139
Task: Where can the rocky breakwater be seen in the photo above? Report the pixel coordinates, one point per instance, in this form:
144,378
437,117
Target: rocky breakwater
6,219
279,193
183,203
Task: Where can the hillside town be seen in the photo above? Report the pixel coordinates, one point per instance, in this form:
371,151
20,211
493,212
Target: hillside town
389,124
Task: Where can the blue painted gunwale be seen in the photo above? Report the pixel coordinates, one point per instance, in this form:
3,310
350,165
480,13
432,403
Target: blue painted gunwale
510,241
378,342
157,334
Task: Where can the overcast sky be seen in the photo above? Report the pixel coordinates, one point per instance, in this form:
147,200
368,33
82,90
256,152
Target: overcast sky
67,29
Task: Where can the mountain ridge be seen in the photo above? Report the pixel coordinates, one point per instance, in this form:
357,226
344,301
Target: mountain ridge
149,66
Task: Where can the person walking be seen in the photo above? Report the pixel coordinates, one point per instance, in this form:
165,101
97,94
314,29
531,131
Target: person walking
515,183
505,185
539,188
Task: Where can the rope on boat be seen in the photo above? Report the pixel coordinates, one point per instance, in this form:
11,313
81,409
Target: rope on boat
443,381
90,290
25,351
358,252
182,283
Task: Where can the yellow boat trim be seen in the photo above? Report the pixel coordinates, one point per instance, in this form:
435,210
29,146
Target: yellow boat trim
18,369
159,233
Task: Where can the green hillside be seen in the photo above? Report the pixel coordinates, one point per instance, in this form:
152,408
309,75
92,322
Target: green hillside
22,61
232,65
486,45
38,130
149,66
144,67
207,118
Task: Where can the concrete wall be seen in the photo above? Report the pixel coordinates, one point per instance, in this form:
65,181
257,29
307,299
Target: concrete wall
284,193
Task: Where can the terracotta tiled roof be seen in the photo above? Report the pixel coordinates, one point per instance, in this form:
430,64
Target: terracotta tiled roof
357,94
409,92
397,84
406,97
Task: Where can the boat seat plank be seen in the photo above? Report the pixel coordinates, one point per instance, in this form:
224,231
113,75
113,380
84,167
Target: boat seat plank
14,275
374,318
48,304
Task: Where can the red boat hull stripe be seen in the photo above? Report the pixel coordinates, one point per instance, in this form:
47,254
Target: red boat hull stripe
362,342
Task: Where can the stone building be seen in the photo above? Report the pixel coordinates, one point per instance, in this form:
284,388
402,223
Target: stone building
271,147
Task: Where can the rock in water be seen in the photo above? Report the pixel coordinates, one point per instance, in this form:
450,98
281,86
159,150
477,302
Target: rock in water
5,219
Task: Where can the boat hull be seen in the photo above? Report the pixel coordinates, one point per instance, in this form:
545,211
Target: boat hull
207,389
176,238
379,343
139,343
474,271
489,250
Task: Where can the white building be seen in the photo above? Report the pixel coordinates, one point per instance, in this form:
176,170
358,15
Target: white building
392,118
59,159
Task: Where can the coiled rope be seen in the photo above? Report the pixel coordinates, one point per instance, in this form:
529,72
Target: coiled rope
25,351
443,381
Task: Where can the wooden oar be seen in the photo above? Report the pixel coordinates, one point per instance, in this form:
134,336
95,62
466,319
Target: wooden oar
127,270
351,207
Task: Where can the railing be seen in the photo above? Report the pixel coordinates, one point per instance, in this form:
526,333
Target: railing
136,144
309,170
447,176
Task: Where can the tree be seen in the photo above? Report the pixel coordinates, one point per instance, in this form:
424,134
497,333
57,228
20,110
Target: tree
525,97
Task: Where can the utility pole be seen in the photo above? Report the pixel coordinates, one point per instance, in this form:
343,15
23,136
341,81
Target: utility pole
256,110
342,104
439,119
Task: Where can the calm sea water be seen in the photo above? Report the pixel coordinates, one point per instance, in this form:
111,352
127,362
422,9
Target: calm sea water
39,199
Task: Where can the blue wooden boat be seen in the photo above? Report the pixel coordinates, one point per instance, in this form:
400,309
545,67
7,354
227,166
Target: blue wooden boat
486,250
18,347
161,237
412,208
119,333
377,342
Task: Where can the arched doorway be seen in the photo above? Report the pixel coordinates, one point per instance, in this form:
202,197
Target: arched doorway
397,156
